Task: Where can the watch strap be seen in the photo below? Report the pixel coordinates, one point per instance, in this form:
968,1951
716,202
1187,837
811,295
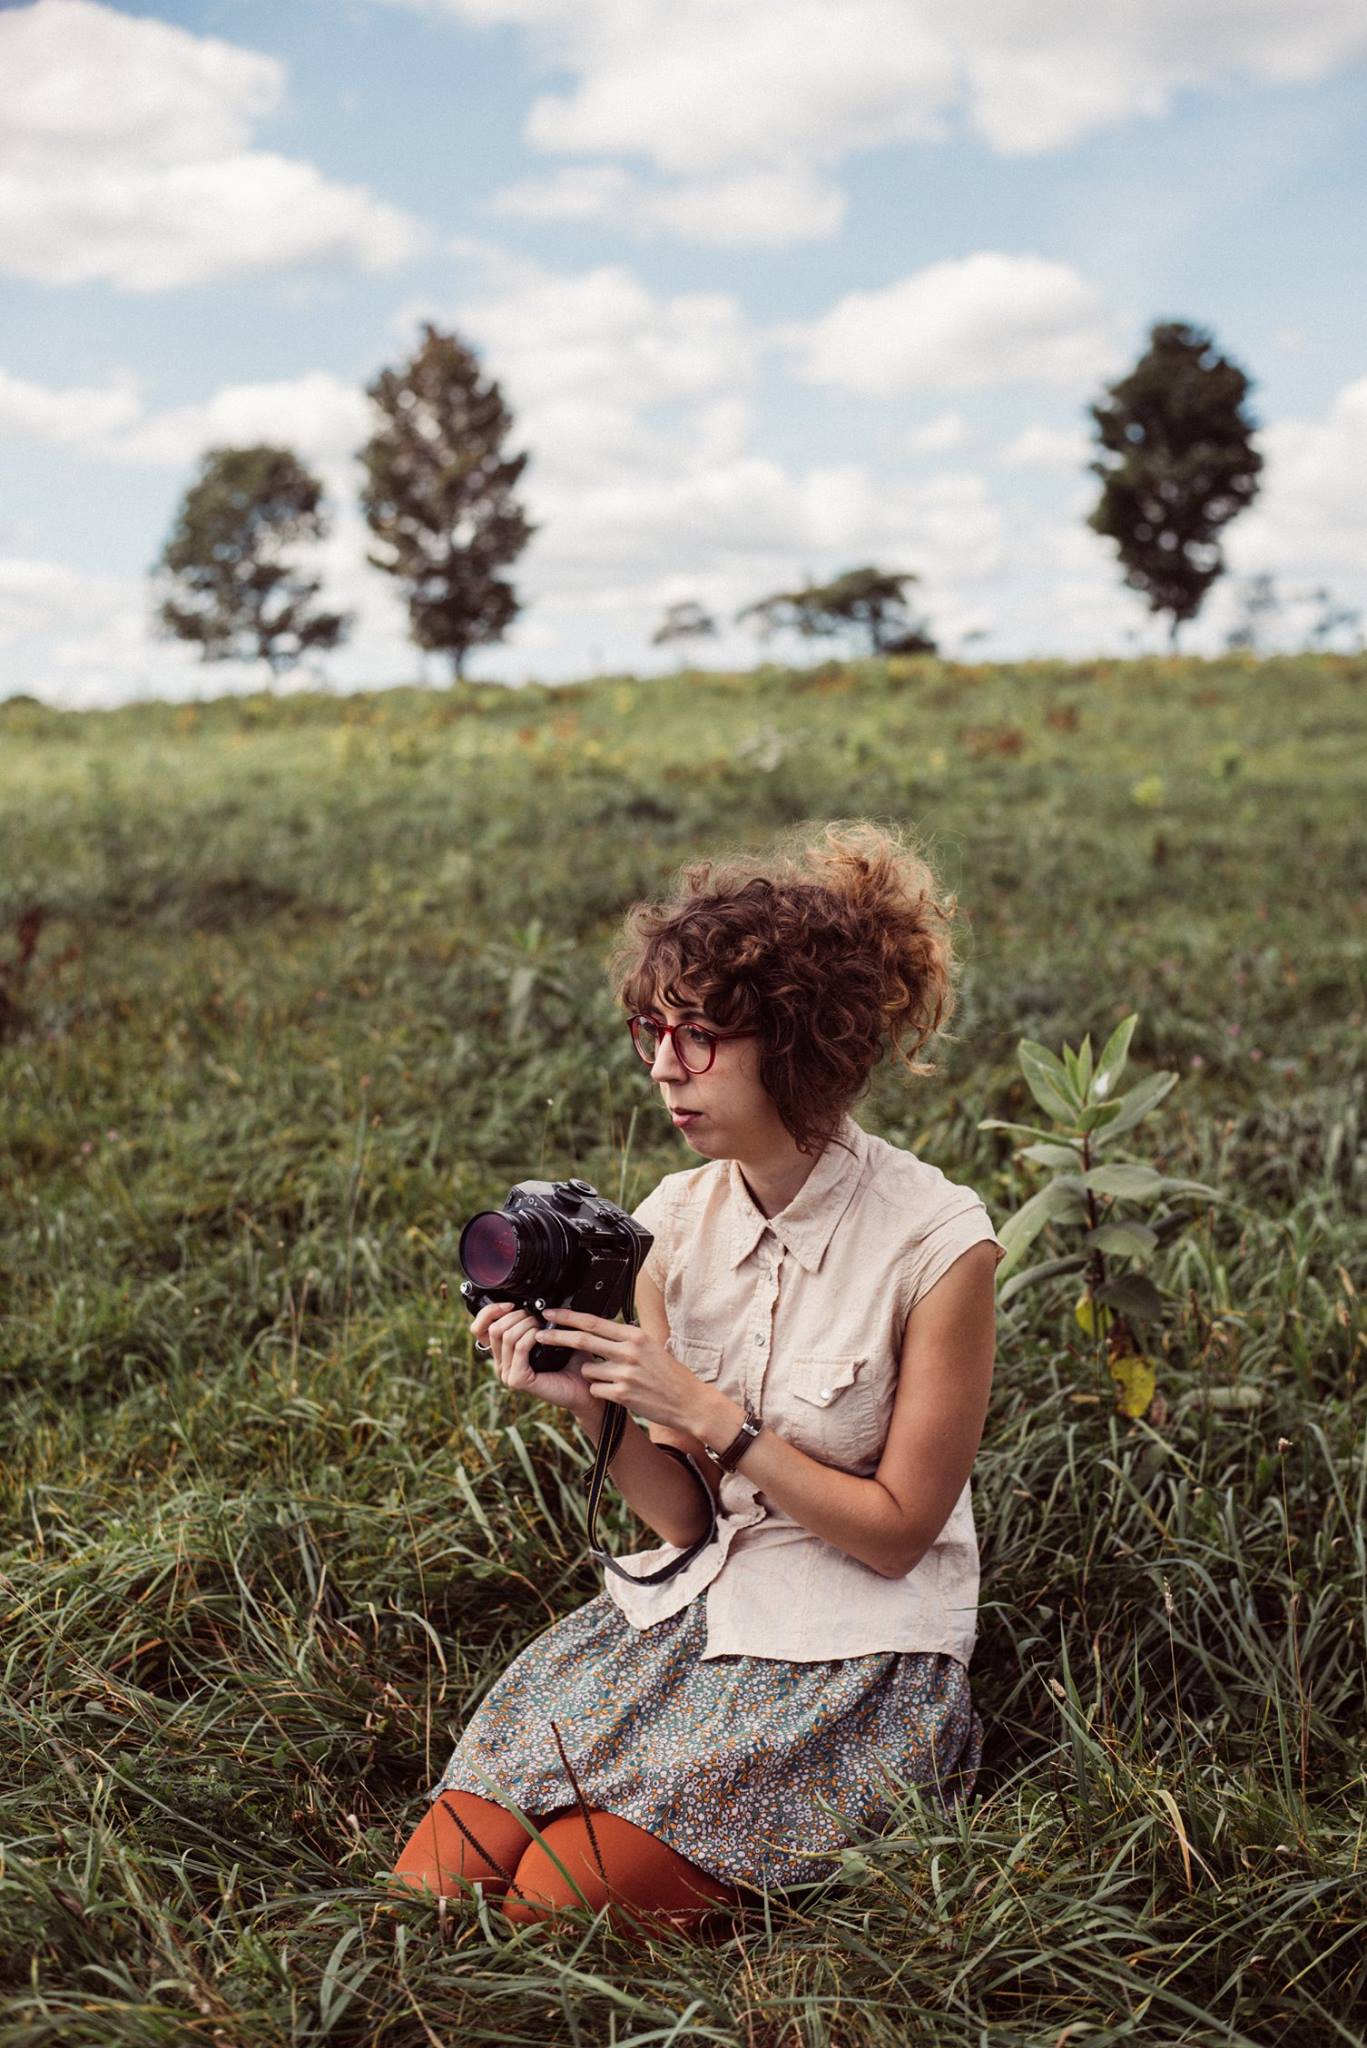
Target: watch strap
739,1444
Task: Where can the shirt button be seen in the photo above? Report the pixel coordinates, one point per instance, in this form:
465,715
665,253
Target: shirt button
759,1336
825,1393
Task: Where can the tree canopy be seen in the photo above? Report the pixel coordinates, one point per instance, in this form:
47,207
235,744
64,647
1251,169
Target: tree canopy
1177,463
224,581
687,620
438,496
866,601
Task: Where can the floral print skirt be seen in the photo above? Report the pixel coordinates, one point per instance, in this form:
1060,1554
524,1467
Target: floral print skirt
756,1769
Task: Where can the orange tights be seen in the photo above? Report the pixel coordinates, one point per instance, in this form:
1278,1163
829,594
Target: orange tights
640,1878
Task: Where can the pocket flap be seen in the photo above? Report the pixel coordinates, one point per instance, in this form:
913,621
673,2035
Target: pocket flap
821,1380
702,1359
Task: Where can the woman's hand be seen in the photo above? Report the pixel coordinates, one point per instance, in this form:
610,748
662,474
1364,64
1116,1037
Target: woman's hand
621,1363
511,1332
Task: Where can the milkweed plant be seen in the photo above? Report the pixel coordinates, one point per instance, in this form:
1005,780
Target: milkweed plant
1084,1194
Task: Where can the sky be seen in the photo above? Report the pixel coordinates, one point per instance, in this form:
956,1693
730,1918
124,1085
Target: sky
772,288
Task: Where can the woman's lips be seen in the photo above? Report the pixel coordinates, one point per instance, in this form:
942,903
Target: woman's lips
685,1116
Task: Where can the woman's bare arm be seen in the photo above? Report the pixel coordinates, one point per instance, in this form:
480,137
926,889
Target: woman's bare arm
890,1521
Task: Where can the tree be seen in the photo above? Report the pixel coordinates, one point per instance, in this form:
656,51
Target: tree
684,621
223,577
1332,617
864,600
438,496
1258,602
1177,463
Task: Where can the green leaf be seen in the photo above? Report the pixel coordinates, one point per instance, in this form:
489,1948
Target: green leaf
997,1123
1085,1067
1044,1154
1130,1183
1047,1079
1234,1400
1134,1296
1127,1237
1098,1114
1136,1102
1113,1058
1020,1231
1045,1270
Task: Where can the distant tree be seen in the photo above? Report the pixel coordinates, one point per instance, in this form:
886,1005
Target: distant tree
1258,603
866,600
1332,617
684,621
1177,463
223,579
438,496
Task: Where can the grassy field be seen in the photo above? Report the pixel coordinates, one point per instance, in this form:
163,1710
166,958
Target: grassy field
315,977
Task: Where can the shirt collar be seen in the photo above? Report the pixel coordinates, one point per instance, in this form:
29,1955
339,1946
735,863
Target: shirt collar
804,1228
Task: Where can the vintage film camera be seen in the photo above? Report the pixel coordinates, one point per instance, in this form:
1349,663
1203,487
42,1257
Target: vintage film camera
560,1244
553,1244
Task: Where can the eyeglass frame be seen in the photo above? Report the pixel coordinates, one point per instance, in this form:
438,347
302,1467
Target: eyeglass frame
668,1031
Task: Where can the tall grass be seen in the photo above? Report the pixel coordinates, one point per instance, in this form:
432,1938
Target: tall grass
313,978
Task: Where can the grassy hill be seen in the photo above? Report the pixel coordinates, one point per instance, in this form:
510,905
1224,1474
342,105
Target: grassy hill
295,984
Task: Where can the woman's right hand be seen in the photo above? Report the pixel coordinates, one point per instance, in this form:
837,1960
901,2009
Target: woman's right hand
510,1332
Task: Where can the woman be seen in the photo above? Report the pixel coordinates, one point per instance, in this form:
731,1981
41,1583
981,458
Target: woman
816,1336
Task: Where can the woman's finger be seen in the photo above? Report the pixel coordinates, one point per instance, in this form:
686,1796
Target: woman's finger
504,1334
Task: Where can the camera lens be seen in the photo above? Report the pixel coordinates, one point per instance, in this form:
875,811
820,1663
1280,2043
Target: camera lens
489,1248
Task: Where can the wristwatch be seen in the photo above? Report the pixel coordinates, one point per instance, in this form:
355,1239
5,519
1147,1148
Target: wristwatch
739,1444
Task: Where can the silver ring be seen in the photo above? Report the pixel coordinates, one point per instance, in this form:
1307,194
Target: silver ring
487,1349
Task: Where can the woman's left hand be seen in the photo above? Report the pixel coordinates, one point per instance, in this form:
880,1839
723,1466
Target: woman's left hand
619,1362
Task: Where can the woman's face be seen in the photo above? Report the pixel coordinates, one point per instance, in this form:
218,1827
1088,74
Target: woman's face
735,1116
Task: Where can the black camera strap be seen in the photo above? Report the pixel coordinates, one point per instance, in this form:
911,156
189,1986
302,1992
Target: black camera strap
610,1436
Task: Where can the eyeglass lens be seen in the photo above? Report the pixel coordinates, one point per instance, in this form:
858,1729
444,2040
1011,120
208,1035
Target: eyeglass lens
694,1046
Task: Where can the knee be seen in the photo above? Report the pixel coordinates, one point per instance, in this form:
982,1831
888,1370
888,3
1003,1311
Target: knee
643,1881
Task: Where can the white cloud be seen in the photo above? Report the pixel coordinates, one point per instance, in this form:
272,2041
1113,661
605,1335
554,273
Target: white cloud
80,639
716,93
980,320
939,436
587,359
1310,517
645,480
74,417
125,157
1040,447
322,417
767,207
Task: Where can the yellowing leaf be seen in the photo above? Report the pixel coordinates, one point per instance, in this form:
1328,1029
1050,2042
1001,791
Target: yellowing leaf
1136,1382
1092,1316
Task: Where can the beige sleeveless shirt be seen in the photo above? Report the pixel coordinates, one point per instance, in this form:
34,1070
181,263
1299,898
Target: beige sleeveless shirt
804,1312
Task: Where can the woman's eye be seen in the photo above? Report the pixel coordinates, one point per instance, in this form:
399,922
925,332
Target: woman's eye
697,1039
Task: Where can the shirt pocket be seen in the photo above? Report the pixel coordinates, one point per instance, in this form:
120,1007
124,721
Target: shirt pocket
832,1406
702,1359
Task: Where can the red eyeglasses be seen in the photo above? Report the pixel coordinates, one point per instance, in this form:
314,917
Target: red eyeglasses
695,1045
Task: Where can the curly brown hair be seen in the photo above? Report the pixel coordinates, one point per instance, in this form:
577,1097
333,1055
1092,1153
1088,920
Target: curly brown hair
830,950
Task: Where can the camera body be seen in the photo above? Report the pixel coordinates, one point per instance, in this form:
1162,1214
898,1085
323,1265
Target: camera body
553,1244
